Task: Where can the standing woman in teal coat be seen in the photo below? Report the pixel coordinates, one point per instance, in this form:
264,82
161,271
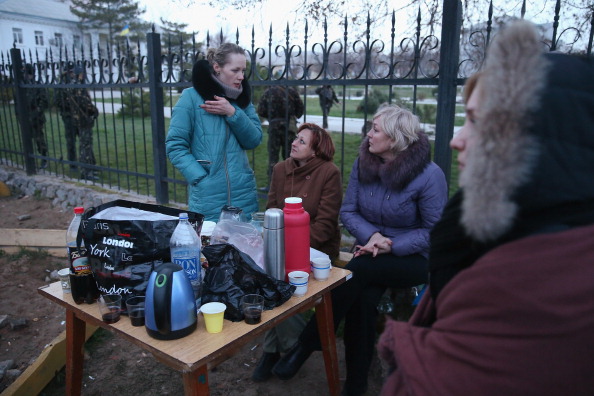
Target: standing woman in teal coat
212,125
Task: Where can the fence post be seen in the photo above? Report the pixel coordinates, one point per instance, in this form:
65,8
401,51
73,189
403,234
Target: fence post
448,71
22,110
153,41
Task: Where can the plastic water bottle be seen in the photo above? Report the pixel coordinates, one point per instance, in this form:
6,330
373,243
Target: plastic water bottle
185,252
79,262
296,236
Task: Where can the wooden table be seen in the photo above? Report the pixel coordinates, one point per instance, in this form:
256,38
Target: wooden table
191,354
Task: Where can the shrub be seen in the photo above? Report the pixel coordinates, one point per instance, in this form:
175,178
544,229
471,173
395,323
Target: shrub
6,93
427,113
133,105
374,99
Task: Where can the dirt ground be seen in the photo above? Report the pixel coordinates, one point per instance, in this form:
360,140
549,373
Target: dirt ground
114,366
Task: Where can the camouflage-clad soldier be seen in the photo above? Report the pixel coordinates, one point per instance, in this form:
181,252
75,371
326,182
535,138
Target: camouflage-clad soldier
79,114
281,106
327,99
37,104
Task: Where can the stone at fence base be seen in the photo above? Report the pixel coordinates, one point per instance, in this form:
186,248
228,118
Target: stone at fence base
62,192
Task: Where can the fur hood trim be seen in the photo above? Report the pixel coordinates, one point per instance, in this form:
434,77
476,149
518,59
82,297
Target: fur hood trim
208,87
399,172
503,156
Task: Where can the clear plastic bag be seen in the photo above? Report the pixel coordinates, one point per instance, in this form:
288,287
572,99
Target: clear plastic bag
244,236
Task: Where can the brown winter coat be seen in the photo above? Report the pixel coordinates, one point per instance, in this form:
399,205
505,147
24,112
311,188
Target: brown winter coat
318,184
519,321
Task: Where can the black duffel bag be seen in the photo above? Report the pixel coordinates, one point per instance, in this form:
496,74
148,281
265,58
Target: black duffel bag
122,253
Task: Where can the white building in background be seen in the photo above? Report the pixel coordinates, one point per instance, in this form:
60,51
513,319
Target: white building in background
43,25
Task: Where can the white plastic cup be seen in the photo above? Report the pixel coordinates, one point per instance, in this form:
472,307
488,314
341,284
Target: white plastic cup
320,267
64,275
299,279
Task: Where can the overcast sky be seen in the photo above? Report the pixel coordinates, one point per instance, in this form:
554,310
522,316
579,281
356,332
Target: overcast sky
201,18
279,13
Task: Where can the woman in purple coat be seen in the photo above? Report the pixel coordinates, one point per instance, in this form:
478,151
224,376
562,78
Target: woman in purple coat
394,197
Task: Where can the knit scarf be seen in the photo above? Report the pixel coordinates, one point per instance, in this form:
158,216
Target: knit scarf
230,92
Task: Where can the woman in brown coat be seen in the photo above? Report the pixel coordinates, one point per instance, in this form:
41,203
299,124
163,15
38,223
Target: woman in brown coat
309,174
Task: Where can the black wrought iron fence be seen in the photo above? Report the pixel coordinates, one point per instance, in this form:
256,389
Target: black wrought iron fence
136,89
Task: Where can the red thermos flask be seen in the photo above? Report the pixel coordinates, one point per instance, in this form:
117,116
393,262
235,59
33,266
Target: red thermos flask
296,236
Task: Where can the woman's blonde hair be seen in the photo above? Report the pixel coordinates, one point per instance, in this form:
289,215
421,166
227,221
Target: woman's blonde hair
221,55
401,126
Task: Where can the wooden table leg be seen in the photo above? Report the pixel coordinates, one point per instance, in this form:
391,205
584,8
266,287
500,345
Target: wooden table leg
196,382
328,340
75,339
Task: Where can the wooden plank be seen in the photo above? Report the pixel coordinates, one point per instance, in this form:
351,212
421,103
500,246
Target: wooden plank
12,239
51,360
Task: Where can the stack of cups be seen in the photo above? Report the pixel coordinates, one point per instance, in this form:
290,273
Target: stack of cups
320,267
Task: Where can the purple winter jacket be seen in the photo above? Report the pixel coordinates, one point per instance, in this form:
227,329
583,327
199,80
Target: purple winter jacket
401,199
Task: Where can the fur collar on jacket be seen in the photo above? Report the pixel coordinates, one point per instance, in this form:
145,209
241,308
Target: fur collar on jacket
399,172
534,148
208,87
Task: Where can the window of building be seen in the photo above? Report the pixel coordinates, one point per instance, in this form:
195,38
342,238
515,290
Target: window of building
59,40
17,35
76,42
88,41
38,38
103,43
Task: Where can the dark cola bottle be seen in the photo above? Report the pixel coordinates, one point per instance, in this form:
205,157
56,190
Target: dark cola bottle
82,283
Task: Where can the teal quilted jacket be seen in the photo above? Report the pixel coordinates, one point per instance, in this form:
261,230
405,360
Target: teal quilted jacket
209,151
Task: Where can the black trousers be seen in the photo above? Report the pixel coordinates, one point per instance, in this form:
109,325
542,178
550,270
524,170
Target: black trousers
356,301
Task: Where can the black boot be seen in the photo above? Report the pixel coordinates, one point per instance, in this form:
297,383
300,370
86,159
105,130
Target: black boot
263,370
289,364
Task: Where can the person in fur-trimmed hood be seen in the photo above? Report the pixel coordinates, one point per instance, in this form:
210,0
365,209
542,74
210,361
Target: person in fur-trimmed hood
510,307
212,125
394,197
